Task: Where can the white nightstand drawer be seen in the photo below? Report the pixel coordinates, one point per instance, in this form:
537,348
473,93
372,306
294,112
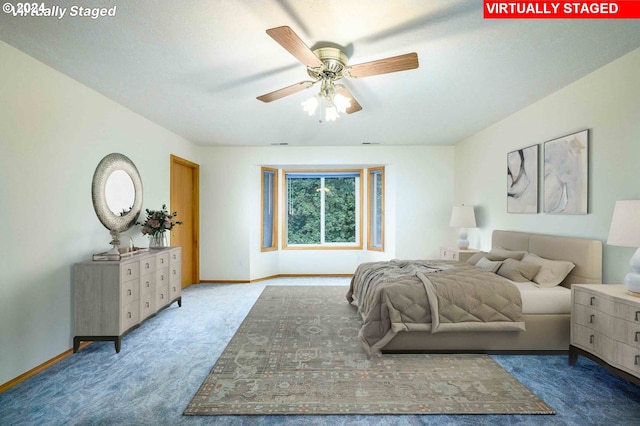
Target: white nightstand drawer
592,318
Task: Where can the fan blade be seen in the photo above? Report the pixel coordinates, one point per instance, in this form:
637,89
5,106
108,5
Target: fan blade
408,61
294,45
355,106
289,90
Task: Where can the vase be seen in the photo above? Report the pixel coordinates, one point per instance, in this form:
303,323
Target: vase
158,240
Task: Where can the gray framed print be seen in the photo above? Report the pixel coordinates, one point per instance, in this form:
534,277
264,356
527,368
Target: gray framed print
522,180
566,174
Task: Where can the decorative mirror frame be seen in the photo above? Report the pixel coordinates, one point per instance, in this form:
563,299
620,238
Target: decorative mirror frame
111,221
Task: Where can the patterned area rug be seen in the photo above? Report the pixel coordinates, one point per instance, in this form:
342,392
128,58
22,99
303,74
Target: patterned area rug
297,352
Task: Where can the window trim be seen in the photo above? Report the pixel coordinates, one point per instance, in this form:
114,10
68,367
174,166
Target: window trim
274,224
371,208
335,246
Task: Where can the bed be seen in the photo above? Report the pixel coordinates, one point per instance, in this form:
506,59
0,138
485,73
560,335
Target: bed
545,314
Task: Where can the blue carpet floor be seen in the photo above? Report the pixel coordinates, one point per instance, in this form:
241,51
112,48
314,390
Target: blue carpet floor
163,362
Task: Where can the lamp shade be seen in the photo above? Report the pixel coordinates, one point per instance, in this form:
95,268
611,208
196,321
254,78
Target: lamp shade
625,224
463,217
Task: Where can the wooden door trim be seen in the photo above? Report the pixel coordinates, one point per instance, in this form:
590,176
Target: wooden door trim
175,160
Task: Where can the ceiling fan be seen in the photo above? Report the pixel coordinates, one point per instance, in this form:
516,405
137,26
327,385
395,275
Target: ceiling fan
327,65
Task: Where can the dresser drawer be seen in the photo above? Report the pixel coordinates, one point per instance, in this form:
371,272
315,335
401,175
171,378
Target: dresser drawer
129,291
129,316
129,271
594,300
162,295
147,283
175,272
162,260
147,265
627,312
630,359
147,304
592,318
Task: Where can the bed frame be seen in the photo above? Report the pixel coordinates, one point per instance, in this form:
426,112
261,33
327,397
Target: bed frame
545,333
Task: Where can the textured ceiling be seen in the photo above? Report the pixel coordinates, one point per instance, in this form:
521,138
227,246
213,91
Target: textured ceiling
196,67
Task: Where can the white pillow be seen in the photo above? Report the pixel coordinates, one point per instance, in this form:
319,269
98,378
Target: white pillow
551,273
488,265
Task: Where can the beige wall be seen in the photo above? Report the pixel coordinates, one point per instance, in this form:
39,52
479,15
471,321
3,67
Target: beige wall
607,102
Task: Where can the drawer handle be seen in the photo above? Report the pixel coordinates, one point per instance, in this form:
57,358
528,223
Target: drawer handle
592,318
161,277
147,304
128,314
591,339
147,283
161,260
129,292
146,265
174,272
129,271
637,315
161,296
637,362
174,289
637,339
593,299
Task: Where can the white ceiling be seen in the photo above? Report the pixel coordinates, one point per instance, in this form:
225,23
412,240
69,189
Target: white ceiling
196,67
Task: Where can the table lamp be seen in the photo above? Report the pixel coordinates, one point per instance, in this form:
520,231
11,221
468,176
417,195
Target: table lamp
463,217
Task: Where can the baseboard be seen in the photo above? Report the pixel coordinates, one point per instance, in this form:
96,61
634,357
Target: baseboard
255,280
21,378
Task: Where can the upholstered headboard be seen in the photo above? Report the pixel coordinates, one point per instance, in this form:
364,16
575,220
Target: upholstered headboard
585,254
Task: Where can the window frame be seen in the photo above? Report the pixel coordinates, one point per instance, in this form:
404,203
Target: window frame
274,204
327,246
372,172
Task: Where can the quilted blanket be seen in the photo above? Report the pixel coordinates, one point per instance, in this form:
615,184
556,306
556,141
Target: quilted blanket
430,295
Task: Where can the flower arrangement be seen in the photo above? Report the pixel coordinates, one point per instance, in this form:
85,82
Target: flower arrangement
158,221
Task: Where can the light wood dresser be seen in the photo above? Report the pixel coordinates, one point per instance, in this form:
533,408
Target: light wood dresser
112,297
605,327
462,255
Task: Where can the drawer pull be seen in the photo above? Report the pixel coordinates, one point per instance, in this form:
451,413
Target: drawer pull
591,300
161,277
637,315
147,303
637,339
147,284
174,289
129,273
128,314
591,339
161,260
129,292
162,296
146,265
637,362
592,318
174,272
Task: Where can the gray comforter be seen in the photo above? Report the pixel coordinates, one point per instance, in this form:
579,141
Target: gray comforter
430,295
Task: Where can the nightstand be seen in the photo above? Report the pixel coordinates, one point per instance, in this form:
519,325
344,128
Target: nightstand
605,327
453,253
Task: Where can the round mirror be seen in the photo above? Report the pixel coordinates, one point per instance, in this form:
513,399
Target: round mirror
117,192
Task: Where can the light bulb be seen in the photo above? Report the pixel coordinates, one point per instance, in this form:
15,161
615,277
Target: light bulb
310,105
341,102
331,113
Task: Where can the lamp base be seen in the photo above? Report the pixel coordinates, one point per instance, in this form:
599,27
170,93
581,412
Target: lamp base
463,242
632,279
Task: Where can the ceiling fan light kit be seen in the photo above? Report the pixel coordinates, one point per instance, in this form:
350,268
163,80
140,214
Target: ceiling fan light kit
327,65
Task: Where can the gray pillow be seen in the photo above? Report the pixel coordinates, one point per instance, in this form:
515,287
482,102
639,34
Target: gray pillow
473,260
489,265
517,271
498,253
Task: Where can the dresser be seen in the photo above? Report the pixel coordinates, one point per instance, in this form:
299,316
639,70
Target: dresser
605,327
461,255
112,297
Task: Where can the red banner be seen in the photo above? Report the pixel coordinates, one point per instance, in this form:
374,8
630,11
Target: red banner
622,9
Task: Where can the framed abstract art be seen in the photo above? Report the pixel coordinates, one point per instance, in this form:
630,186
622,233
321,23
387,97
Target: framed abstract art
566,174
522,180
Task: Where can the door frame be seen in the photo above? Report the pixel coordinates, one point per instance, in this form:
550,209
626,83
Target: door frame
175,160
